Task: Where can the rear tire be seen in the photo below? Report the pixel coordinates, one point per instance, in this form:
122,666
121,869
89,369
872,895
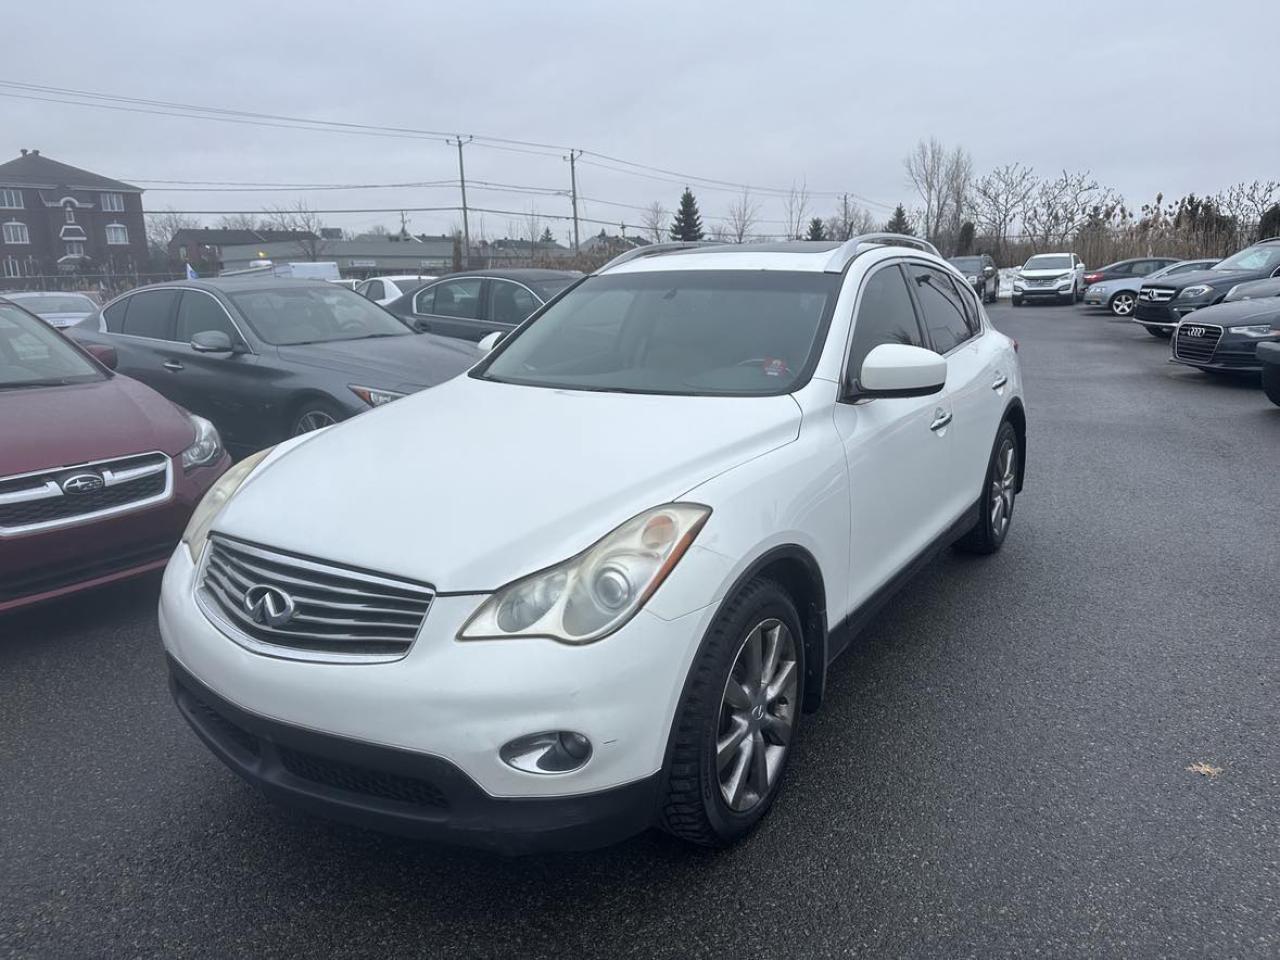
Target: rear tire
999,490
738,716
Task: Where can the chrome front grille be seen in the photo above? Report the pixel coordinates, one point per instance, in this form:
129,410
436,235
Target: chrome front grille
1156,294
288,606
66,496
1196,341
1042,281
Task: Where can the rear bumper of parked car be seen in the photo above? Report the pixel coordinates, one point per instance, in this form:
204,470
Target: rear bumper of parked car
435,722
45,565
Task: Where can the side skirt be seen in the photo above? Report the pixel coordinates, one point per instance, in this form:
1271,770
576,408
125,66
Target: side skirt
844,632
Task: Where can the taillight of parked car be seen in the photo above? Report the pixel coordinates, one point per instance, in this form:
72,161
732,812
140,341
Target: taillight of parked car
1092,277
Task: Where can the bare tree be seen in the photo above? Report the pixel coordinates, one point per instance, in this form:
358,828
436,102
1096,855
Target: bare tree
1246,203
957,180
303,222
239,221
796,207
163,225
743,214
654,221
1000,201
533,230
926,168
849,220
1061,206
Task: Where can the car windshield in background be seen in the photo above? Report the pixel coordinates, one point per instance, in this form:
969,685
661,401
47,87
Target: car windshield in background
33,354
1253,259
287,316
1048,262
59,303
967,264
692,333
547,289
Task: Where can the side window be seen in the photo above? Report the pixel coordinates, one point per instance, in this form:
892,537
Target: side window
510,302
150,314
198,312
452,298
944,312
374,291
885,315
114,315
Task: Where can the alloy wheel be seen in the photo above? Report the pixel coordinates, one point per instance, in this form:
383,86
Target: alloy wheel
312,420
757,715
1003,482
1122,304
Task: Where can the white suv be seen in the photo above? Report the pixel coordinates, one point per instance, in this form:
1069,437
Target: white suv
1050,276
592,585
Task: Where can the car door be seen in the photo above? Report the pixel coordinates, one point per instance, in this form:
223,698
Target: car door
976,385
896,449
145,330
234,390
451,308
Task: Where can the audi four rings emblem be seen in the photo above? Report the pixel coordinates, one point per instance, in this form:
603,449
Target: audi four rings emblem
269,606
1194,331
83,483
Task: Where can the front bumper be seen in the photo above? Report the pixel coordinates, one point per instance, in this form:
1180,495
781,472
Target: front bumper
1163,316
399,791
1042,293
455,703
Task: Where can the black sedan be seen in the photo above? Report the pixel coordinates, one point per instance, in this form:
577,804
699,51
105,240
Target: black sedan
266,358
472,305
1226,338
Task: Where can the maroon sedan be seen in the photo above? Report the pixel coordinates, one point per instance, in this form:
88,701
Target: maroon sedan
98,473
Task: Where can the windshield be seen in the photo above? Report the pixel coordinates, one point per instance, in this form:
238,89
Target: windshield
1258,259
33,354
967,264
287,316
685,332
47,303
1185,267
1049,261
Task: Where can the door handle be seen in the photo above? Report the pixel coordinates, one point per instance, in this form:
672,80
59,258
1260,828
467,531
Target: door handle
1000,381
940,419
172,365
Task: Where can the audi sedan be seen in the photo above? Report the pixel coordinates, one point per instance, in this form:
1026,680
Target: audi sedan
1225,338
98,473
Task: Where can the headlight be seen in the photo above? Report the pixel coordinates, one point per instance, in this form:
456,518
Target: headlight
207,446
374,397
1065,278
1256,330
1196,290
591,595
211,505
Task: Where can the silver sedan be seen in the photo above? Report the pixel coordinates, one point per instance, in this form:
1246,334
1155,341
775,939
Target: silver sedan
1120,296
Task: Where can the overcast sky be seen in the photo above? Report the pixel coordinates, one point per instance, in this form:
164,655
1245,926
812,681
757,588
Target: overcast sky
1167,96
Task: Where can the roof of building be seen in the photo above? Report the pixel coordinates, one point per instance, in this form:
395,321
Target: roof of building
33,170
222,237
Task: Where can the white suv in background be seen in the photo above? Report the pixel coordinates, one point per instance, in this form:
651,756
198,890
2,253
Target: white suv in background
592,585
1050,276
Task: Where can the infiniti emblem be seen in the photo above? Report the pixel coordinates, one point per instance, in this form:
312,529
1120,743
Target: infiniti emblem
757,712
83,483
269,606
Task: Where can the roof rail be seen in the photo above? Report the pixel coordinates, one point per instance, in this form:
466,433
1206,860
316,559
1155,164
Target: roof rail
843,254
656,249
1268,239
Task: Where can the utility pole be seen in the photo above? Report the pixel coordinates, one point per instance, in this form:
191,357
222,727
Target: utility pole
573,192
462,181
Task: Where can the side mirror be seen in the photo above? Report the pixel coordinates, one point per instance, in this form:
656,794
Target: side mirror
490,341
104,354
897,370
212,341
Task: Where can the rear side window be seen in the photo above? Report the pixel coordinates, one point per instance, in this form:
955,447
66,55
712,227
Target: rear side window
452,298
510,302
885,315
114,315
150,314
944,311
374,290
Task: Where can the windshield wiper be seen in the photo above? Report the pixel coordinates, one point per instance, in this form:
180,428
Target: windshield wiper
50,382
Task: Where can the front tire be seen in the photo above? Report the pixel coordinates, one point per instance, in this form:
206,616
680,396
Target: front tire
1271,383
314,415
1016,301
999,489
737,719
1122,304
1159,332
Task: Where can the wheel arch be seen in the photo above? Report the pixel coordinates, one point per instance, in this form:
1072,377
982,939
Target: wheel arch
299,399
1017,415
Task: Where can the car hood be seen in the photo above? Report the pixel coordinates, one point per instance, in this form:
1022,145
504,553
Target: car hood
473,484
62,426
1218,279
396,363
1239,312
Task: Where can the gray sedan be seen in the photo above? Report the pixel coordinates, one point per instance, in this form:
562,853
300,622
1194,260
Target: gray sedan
54,308
266,358
1120,296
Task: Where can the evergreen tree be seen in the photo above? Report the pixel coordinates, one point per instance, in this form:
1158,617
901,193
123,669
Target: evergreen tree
546,236
687,224
816,230
1269,225
964,242
899,223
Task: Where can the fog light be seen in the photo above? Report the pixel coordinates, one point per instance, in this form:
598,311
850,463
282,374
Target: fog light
555,751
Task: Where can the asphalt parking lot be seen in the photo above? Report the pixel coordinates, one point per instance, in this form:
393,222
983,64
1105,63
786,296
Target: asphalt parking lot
1001,767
